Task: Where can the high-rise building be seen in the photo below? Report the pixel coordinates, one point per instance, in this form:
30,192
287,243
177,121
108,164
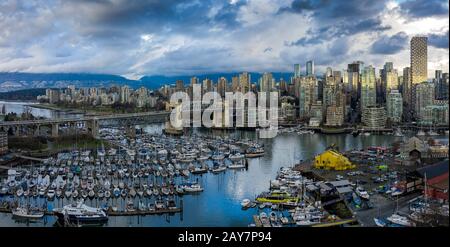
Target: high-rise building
296,70
179,86
124,94
444,87
235,84
441,85
307,95
394,105
423,96
354,82
222,86
244,82
368,88
266,82
207,85
407,86
419,68
194,80
310,67
329,72
391,81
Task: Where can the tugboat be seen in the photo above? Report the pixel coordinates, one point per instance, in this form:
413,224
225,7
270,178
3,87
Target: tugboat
81,214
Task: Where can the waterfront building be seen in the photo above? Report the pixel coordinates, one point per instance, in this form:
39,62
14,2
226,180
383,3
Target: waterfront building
423,96
418,56
368,88
235,84
435,114
441,85
310,67
307,95
335,116
332,160
316,109
394,105
374,117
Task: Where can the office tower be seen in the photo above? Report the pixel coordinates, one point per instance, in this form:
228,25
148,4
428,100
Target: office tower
387,75
354,81
391,78
310,67
296,70
394,105
439,85
423,96
368,87
244,82
418,55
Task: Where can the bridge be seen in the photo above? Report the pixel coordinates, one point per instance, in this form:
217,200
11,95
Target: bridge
92,123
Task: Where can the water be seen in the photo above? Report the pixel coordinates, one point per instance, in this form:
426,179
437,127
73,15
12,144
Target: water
20,107
219,203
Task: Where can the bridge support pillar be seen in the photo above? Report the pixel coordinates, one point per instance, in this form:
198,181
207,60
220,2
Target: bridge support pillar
37,130
92,126
55,128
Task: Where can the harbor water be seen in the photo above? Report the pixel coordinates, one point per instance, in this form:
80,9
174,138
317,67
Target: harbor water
219,203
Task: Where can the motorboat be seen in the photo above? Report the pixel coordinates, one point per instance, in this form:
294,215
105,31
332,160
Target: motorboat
245,203
27,213
79,213
400,220
192,188
362,193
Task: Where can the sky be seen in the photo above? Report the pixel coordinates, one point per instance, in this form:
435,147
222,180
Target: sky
167,37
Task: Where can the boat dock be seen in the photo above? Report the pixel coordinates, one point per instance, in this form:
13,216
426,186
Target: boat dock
120,213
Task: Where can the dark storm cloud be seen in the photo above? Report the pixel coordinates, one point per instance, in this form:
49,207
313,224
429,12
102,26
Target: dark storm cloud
439,40
424,8
390,44
185,37
328,9
338,30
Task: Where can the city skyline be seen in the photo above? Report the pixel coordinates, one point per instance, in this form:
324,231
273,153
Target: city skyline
132,39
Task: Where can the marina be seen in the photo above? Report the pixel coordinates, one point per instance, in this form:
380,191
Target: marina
205,173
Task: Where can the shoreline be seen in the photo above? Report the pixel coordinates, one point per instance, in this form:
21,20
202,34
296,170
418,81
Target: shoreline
55,108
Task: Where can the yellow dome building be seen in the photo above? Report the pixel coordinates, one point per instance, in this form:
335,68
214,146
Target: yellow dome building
332,160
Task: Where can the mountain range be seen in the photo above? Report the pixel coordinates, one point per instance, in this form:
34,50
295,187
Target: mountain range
12,81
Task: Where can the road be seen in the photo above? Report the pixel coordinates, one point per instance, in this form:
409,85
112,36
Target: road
383,207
